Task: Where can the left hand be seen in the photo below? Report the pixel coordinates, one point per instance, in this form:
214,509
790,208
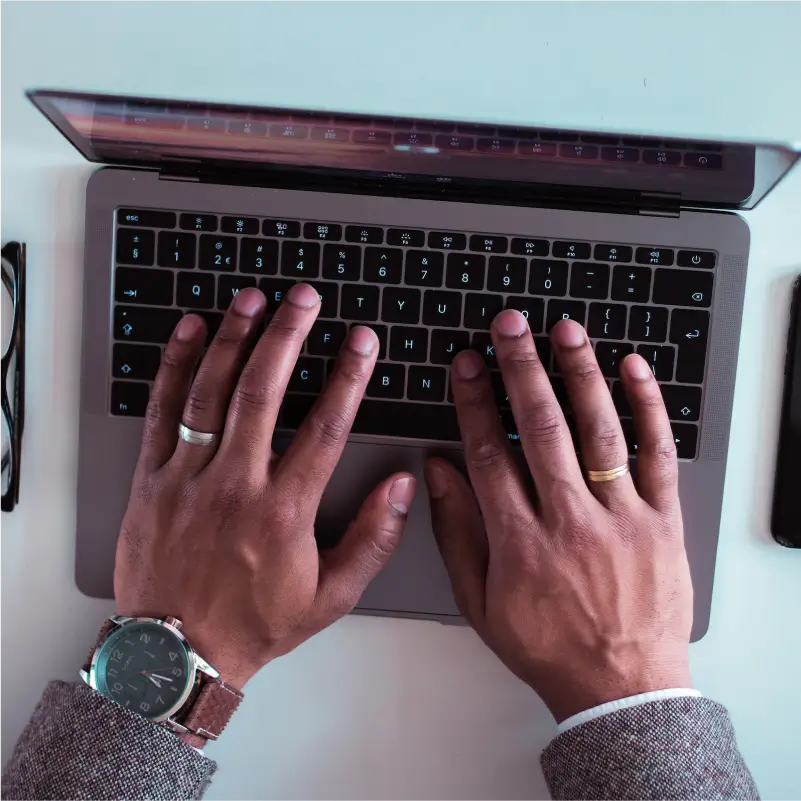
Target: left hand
224,538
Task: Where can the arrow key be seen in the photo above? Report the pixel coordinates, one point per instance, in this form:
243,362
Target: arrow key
136,362
682,403
152,287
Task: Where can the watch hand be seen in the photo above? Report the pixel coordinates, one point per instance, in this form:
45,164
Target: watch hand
153,679
157,676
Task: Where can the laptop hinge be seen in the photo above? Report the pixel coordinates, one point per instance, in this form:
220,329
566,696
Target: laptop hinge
660,204
175,168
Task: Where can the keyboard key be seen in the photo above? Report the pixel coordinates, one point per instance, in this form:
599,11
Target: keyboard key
648,324
247,128
454,142
660,359
371,137
322,133
289,131
199,222
367,234
607,321
532,309
135,246
176,250
548,278
407,420
307,375
300,260
682,403
481,310
424,268
499,146
382,332
565,310
217,253
483,344
537,149
544,350
387,381
129,399
685,436
572,250
383,265
696,258
401,305
195,290
146,218
426,384
609,356
703,161
661,256
631,283
274,290
613,253
578,152
284,229
506,274
620,399
413,139
240,225
447,241
154,287
328,231
666,158
407,237
326,338
342,262
258,256
689,329
228,286
408,344
465,271
138,324
329,298
628,155
205,124
442,309
589,280
489,244
359,302
136,362
531,247
683,288
446,344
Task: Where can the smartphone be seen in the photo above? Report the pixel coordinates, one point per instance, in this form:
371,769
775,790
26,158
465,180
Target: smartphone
786,518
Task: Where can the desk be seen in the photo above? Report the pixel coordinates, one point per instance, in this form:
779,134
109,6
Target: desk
378,708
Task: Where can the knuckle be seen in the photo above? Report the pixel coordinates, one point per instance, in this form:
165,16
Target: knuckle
485,453
229,337
542,424
661,453
522,358
174,358
330,428
257,390
604,436
198,403
585,370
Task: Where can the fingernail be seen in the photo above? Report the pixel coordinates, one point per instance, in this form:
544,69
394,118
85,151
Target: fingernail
401,494
249,302
569,334
637,367
468,364
437,481
188,327
510,323
302,295
362,340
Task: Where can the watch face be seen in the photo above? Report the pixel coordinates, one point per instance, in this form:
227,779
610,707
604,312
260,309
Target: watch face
144,667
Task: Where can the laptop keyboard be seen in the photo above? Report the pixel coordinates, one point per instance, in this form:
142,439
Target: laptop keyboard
427,294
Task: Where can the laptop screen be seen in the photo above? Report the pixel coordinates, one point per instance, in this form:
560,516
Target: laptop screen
150,132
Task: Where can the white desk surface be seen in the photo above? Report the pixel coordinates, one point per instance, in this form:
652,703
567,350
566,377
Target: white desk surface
379,708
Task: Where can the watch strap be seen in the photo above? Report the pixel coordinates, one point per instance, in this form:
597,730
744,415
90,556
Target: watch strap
210,712
105,630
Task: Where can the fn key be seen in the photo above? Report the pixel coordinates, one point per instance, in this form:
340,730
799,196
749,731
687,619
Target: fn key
129,398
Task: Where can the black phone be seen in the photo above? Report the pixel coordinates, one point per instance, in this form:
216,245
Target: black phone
786,518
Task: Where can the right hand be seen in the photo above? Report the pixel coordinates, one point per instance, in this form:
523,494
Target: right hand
583,591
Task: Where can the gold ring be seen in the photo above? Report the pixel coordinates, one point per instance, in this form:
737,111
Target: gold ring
608,475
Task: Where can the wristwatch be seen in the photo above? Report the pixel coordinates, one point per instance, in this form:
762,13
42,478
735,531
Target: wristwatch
147,666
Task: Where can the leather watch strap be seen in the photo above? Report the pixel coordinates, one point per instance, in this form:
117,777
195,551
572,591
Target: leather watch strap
105,630
210,712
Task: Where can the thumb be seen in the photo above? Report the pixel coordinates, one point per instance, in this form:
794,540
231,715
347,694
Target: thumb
459,531
367,545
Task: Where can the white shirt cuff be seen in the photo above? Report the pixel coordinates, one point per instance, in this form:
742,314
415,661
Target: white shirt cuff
624,703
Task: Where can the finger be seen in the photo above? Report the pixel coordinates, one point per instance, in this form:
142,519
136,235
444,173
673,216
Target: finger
211,390
493,473
657,468
603,446
169,392
254,406
310,460
459,531
367,545
544,434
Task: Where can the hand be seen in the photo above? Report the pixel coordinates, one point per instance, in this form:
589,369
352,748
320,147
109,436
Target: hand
583,591
224,538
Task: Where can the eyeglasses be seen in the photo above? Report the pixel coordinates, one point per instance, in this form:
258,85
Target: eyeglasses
13,375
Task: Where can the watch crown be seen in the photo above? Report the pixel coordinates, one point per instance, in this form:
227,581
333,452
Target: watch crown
174,622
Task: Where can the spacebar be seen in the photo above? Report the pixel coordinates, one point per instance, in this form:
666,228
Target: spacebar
407,420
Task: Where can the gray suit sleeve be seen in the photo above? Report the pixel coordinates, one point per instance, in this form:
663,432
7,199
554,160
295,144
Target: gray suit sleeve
679,748
81,745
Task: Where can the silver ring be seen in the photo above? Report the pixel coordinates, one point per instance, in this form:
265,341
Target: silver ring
196,437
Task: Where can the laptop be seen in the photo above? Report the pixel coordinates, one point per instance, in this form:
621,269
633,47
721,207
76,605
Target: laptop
424,230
